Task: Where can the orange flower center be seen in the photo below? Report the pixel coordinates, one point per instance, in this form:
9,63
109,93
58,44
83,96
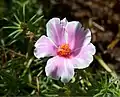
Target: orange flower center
64,50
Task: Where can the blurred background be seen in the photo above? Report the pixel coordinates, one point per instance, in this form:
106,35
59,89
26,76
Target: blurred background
22,22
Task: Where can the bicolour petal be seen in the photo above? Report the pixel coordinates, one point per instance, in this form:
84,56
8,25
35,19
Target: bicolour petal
64,22
44,47
54,67
72,28
67,71
77,36
84,57
55,31
59,67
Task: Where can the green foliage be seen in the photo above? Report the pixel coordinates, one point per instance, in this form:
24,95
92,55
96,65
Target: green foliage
23,75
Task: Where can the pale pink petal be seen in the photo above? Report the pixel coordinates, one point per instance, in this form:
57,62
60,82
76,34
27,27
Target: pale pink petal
64,22
55,31
54,67
81,63
84,57
67,71
77,36
44,47
59,67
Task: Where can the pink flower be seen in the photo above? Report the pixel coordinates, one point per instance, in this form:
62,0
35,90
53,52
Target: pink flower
70,45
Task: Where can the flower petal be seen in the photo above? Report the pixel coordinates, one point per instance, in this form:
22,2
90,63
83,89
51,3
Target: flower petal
77,36
44,47
59,67
55,31
85,57
67,71
64,22
54,67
